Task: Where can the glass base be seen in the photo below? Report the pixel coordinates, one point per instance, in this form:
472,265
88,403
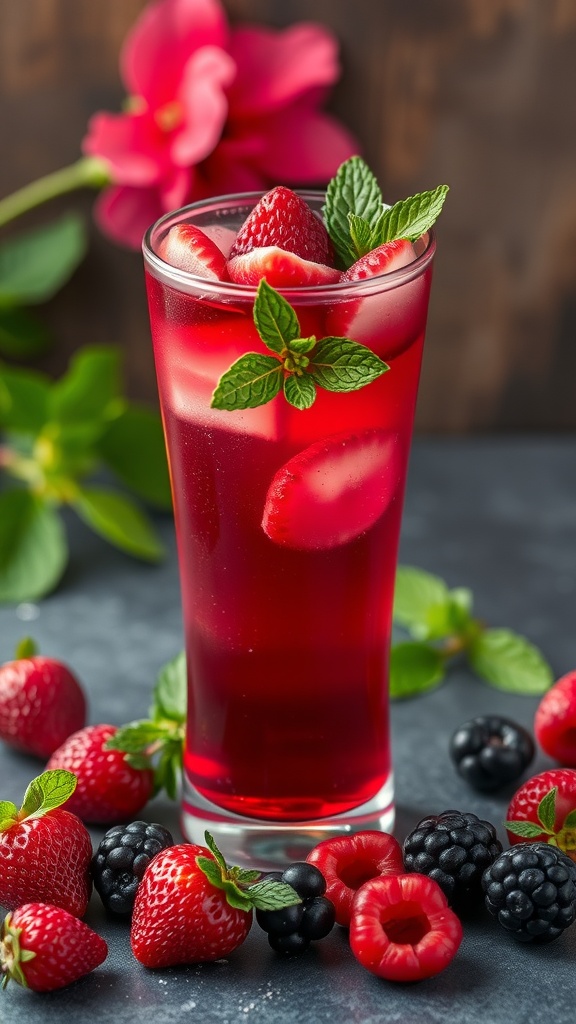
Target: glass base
255,843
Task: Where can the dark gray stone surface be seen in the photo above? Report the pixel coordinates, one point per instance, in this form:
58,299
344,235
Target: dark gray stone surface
497,515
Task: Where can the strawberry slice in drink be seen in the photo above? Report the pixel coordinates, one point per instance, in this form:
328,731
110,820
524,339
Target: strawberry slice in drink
282,269
333,491
188,248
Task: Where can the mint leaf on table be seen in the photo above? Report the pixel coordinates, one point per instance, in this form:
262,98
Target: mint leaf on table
160,737
298,364
89,391
116,518
441,622
35,265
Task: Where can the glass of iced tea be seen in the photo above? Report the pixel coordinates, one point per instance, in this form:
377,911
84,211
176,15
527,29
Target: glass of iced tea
287,521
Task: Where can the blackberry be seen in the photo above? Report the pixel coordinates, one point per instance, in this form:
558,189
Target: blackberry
122,858
453,848
490,751
291,929
531,890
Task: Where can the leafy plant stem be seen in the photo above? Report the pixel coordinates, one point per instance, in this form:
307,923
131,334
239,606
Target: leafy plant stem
87,172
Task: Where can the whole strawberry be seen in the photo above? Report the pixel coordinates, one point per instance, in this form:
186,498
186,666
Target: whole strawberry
543,810
191,907
109,788
45,851
41,702
555,721
43,948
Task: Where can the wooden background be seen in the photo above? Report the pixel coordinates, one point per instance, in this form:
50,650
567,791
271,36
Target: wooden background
478,93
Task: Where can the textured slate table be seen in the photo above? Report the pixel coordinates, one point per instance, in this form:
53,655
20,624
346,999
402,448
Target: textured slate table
497,515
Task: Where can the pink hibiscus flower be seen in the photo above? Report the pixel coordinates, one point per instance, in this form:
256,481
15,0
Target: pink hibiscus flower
214,110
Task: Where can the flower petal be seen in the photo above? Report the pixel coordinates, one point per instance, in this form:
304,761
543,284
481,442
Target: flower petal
160,43
201,95
304,146
174,190
276,68
132,145
124,214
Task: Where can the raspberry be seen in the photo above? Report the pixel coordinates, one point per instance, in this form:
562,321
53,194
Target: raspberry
348,861
291,929
121,860
490,751
402,928
531,890
453,849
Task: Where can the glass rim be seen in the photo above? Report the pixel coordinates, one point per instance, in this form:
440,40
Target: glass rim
196,285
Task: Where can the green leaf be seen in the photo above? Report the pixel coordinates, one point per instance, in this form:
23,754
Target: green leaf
276,321
547,810
211,844
410,218
271,894
116,518
33,548
90,389
132,445
416,595
353,190
35,265
22,335
25,648
300,390
570,820
50,790
510,662
135,737
8,814
342,365
24,398
211,870
360,234
414,668
525,829
301,346
170,690
252,380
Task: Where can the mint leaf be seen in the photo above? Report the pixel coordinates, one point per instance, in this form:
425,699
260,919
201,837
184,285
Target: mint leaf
526,829
414,668
24,398
410,218
301,346
570,820
417,597
116,518
132,445
252,380
134,737
547,810
300,390
339,364
271,894
48,791
212,871
90,388
170,690
360,234
510,662
276,321
35,265
211,844
33,548
22,335
353,190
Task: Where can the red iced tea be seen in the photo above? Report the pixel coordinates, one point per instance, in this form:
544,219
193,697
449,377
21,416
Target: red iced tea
287,523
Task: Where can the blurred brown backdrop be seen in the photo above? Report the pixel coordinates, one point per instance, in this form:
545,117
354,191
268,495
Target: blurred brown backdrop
478,93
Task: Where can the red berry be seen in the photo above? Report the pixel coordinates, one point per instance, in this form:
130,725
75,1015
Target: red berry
109,789
41,704
45,851
283,219
555,721
347,862
543,810
179,916
280,268
188,248
43,947
402,928
332,491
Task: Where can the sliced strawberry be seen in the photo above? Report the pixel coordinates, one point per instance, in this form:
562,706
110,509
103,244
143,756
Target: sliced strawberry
383,260
332,491
280,268
282,218
189,248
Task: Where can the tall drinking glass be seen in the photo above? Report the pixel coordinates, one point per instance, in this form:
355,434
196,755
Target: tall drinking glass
287,525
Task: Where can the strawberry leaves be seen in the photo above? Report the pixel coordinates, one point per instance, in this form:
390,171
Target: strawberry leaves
245,890
546,822
299,365
45,793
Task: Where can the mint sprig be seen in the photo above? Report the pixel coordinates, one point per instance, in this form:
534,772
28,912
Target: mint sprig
298,366
45,793
358,220
442,626
245,890
54,437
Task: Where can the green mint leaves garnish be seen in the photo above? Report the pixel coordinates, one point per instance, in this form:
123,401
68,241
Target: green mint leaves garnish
299,365
158,741
358,220
244,889
442,626
45,793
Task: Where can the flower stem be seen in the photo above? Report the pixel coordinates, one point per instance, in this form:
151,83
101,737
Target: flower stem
88,172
